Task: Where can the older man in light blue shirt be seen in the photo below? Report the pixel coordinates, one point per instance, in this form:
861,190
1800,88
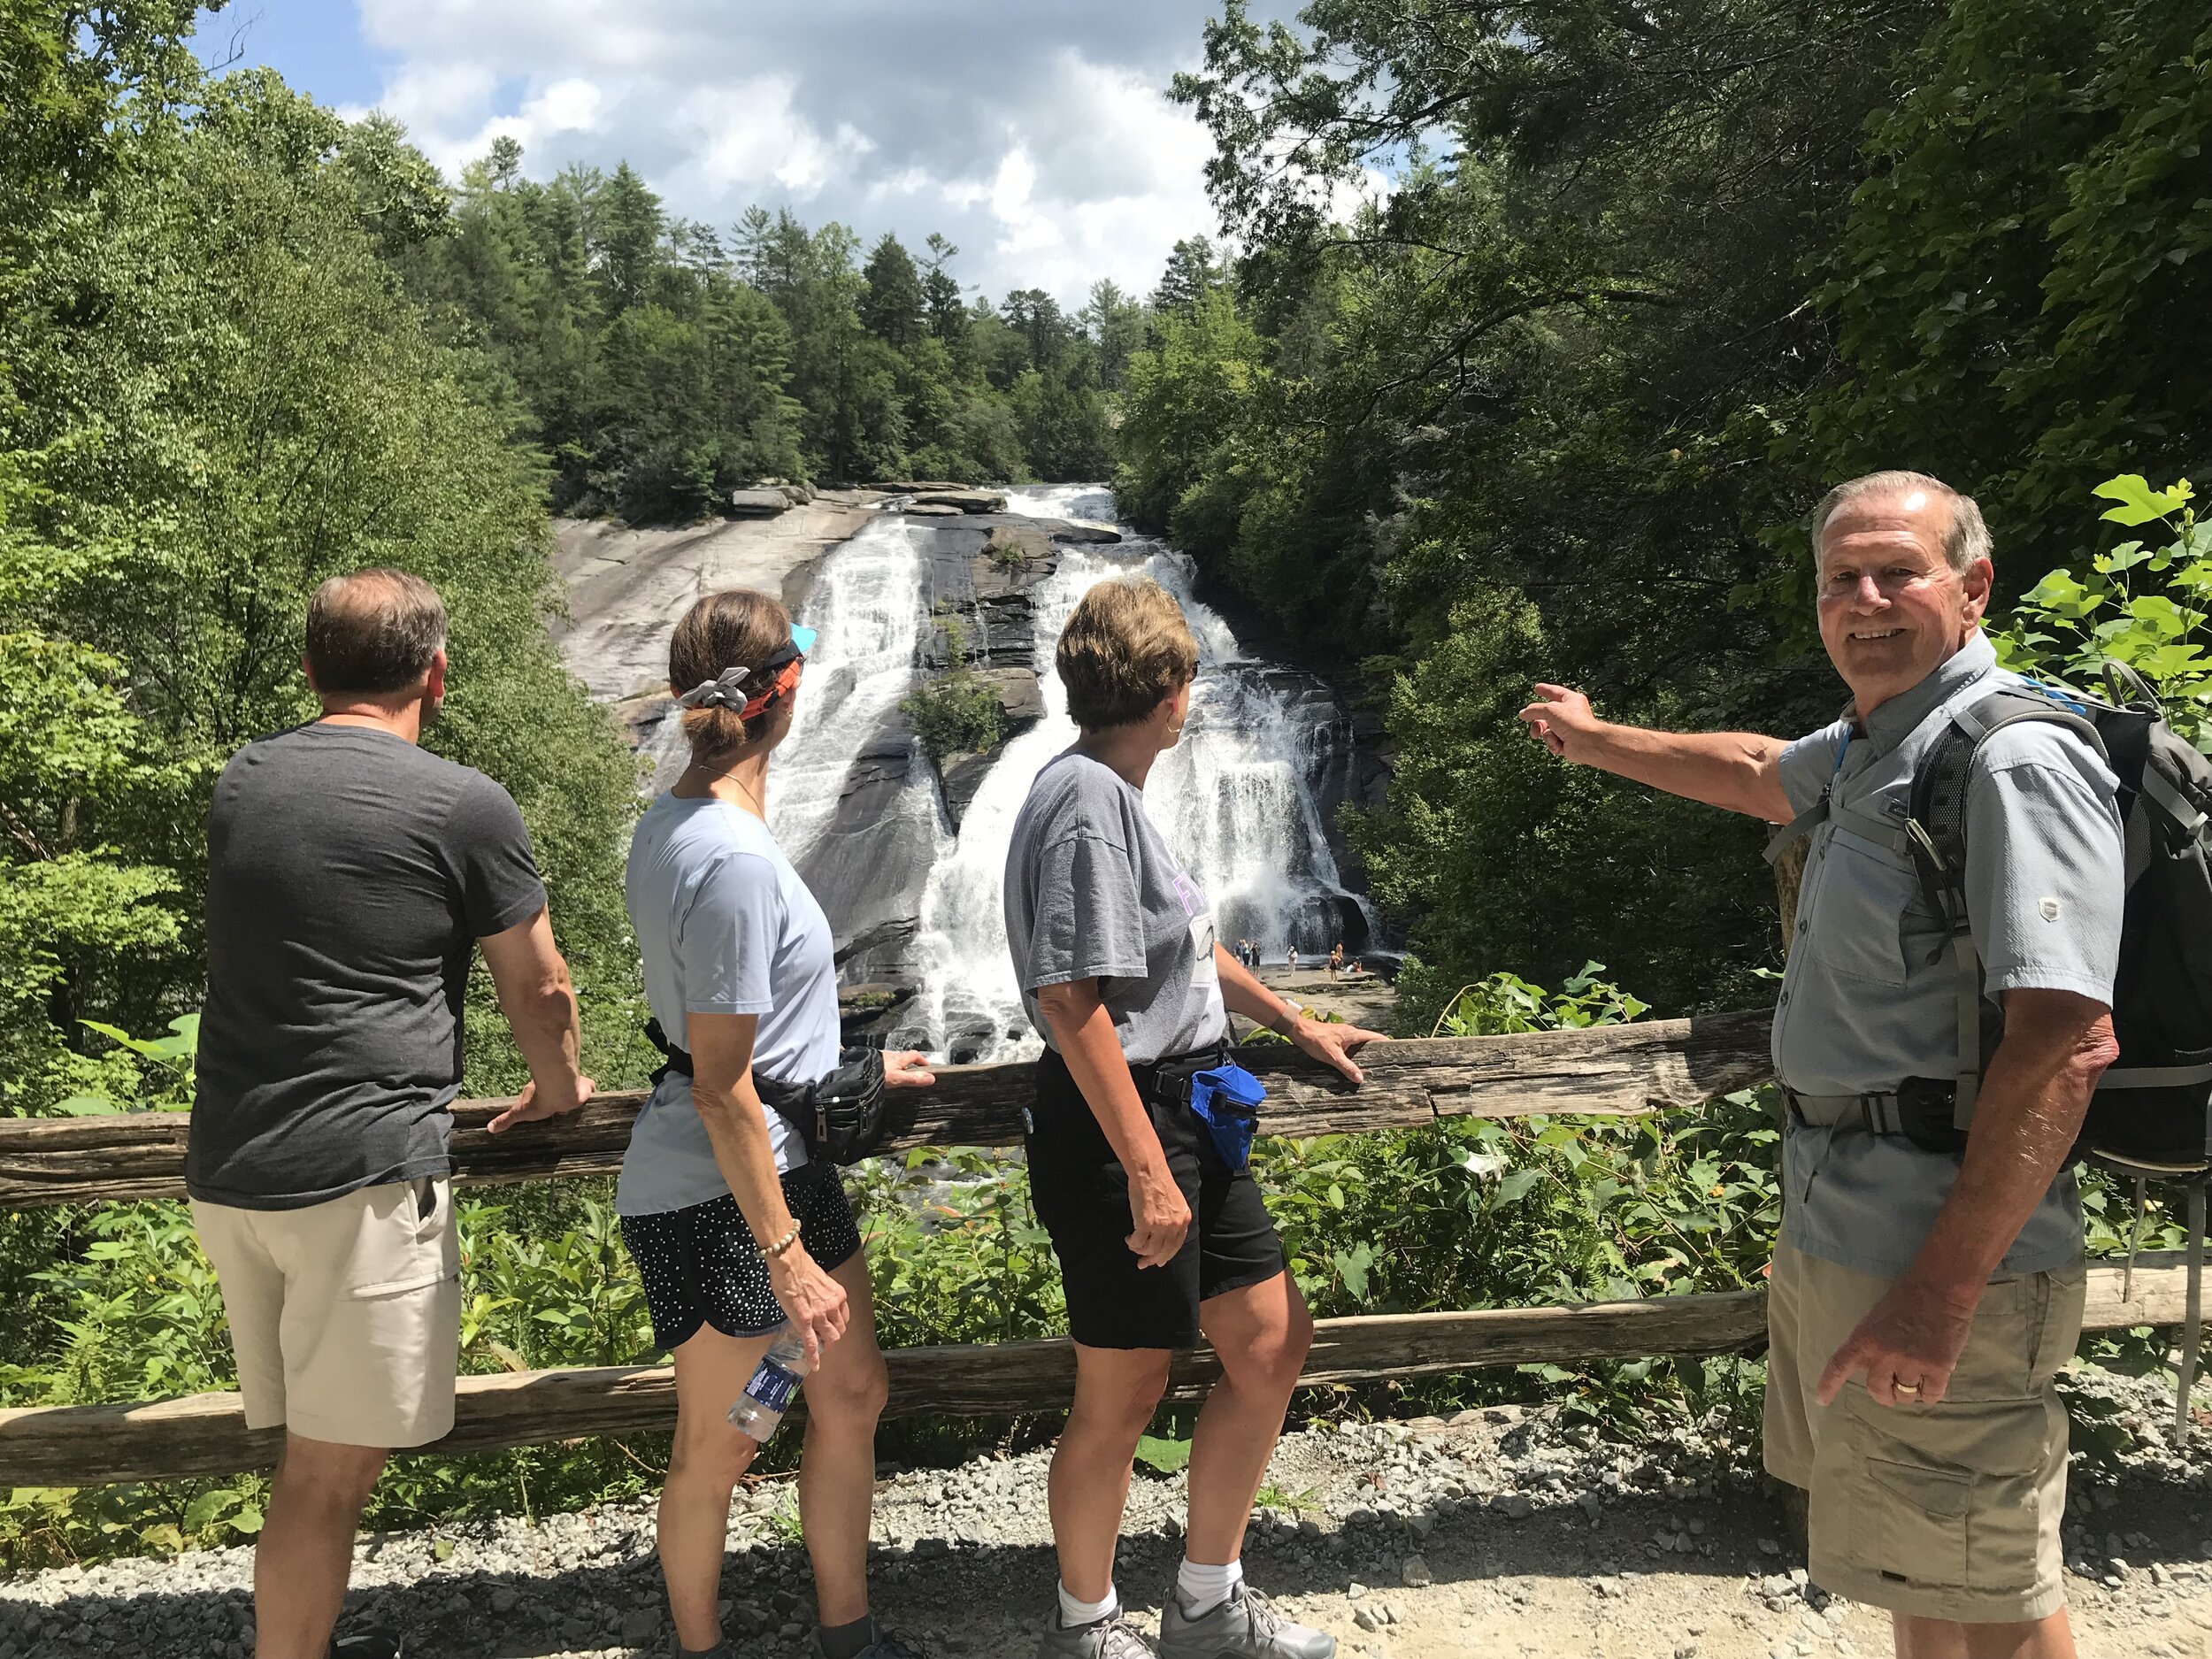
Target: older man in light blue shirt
1922,1300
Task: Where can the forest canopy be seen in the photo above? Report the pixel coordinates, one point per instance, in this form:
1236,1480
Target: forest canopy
661,363
1642,283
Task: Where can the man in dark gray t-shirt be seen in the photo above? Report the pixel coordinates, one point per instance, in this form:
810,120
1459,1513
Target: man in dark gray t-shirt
351,876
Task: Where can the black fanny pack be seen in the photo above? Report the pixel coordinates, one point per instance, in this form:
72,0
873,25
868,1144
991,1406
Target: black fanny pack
843,1117
1167,1080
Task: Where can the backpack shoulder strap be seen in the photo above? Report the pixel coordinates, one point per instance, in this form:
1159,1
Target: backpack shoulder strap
1935,829
1938,802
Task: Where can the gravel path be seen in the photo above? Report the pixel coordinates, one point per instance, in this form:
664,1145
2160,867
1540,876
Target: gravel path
1499,1532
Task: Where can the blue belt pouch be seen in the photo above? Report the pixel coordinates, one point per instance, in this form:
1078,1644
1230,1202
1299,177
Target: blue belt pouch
1227,1100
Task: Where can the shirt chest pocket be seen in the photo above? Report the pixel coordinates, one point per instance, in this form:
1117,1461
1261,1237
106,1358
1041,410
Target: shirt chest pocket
1858,913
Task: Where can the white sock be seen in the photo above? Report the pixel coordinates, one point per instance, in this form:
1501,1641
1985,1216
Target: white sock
1073,1612
1201,1589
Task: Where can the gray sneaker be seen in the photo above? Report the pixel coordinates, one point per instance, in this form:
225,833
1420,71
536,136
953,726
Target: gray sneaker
1242,1627
1112,1637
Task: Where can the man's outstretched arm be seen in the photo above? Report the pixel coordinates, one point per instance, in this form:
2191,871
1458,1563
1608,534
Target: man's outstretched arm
1739,771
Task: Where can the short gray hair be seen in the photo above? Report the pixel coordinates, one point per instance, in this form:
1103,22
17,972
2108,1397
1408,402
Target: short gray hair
373,632
1965,539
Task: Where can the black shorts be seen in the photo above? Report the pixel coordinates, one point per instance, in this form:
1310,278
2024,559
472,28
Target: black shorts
701,1265
1081,1194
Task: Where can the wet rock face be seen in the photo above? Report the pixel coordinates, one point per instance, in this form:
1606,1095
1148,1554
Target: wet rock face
1347,764
981,577
869,864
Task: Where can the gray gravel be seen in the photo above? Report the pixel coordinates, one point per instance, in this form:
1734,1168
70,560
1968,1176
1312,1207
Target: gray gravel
1402,1538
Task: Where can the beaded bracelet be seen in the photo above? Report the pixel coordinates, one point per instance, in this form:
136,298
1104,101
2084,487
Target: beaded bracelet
772,1251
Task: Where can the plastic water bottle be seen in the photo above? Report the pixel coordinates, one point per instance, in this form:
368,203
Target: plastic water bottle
768,1396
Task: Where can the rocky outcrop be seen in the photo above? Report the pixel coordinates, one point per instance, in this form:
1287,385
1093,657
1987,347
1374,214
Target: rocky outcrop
962,500
865,1012
1080,530
960,777
931,510
1013,556
764,503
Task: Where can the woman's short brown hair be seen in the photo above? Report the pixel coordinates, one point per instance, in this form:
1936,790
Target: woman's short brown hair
735,628
1126,647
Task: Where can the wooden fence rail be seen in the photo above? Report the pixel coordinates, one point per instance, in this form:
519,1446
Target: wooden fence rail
1604,1070
206,1434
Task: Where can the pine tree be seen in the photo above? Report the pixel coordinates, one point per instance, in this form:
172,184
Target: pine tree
940,293
627,225
892,309
1193,271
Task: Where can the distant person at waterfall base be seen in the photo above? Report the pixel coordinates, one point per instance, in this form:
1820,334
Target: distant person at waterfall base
738,1229
1161,1237
350,877
1928,1284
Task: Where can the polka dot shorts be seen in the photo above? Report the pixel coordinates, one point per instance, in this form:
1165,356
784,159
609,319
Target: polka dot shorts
701,1266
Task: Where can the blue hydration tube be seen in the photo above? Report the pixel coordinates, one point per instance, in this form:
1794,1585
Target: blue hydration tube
1227,1100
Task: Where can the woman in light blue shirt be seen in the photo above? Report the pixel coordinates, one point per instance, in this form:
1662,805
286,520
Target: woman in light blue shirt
736,1230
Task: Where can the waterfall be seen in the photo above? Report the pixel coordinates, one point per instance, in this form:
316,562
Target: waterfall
1232,800
865,603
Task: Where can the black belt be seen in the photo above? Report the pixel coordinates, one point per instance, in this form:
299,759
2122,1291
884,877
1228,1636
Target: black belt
1167,1079
1921,1110
783,1096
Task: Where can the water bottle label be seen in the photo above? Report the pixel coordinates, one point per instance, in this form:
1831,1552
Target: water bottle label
772,1386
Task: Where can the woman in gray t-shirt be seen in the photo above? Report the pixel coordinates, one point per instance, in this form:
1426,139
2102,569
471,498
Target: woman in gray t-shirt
736,1232
1159,1241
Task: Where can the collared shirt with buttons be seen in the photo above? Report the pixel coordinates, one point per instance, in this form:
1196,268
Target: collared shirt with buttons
1870,995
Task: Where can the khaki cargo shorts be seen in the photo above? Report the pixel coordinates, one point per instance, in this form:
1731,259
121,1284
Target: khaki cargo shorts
346,1314
1948,1511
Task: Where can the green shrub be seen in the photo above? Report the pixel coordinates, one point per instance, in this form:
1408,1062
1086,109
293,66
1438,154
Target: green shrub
2142,603
958,712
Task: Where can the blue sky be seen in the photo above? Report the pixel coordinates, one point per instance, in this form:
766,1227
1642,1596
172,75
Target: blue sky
316,45
1035,134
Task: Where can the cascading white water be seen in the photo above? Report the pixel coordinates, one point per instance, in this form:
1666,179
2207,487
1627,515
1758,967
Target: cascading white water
1233,799
863,603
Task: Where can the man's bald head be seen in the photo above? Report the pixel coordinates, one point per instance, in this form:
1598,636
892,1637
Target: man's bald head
373,633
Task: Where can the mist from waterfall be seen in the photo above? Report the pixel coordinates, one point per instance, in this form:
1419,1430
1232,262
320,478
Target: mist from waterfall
1233,799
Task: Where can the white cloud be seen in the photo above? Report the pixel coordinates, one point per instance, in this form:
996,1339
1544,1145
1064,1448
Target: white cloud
1035,135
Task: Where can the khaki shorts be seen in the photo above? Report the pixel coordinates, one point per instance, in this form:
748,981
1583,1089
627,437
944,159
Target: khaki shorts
345,1316
1948,1511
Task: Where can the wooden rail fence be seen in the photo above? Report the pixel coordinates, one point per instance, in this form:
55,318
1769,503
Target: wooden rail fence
1611,1071
206,1434
1606,1071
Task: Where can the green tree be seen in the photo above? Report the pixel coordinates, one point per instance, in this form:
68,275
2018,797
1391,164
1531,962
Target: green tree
1539,385
940,293
1114,323
626,235
892,309
220,398
2021,294
1193,271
